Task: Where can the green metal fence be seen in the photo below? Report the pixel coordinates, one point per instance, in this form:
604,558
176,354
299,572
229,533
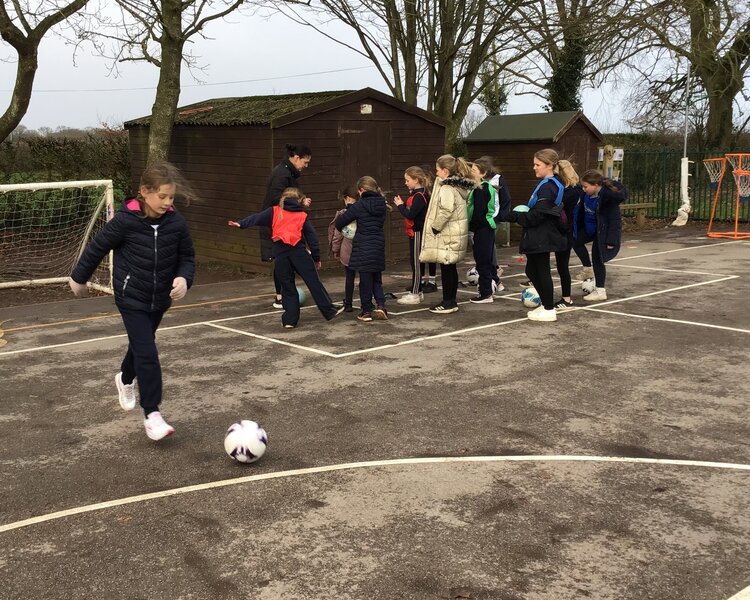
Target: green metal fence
654,176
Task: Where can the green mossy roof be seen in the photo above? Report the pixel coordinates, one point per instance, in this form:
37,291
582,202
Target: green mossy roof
529,127
246,110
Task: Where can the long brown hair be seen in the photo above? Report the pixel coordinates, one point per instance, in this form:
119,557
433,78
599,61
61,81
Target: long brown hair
455,166
419,174
162,173
560,166
594,177
289,193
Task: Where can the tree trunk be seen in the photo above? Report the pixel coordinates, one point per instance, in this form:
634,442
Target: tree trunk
19,101
168,89
720,118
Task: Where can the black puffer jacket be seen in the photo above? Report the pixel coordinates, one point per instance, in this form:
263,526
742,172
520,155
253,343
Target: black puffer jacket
543,229
146,259
608,220
368,245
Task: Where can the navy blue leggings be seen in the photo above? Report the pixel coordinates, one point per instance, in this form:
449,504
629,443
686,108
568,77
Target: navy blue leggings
142,358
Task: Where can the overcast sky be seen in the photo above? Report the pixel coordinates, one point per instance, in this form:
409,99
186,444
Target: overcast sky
277,56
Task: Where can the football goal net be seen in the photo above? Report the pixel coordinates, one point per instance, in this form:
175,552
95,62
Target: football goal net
44,228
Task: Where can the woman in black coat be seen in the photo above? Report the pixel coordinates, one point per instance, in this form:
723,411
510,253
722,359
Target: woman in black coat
597,219
283,176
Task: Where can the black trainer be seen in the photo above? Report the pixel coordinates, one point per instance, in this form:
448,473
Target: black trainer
482,299
562,304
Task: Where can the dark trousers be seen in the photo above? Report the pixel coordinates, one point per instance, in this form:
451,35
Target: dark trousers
276,282
298,261
449,275
600,271
349,276
537,270
484,244
142,358
371,284
562,259
418,268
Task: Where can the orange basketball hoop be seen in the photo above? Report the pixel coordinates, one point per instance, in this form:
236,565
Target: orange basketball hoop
716,168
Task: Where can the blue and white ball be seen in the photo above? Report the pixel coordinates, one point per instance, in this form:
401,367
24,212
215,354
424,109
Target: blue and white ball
530,297
349,230
301,295
245,441
472,276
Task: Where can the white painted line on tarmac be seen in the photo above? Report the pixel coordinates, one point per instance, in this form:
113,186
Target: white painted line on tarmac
671,251
363,465
742,595
668,290
272,340
680,321
680,271
428,337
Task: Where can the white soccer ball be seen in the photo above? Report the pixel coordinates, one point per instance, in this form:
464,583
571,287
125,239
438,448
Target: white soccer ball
530,298
245,441
588,286
472,276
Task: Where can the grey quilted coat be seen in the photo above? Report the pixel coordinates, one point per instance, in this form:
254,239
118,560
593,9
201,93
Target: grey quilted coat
447,214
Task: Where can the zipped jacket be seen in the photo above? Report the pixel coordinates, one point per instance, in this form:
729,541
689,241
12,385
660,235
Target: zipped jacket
148,255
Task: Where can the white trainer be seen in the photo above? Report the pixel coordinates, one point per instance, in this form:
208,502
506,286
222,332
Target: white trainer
156,427
411,298
542,314
584,274
597,295
125,393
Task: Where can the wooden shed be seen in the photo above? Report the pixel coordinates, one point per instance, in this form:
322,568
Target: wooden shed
227,148
512,140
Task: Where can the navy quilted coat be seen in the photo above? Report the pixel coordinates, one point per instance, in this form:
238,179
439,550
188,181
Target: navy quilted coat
368,245
146,260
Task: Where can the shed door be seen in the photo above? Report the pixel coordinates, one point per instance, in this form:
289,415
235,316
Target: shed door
366,150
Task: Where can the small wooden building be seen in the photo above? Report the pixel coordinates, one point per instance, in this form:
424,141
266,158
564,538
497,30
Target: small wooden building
511,141
227,148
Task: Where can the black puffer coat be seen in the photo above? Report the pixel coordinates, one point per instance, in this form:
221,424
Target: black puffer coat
368,245
608,220
146,260
543,229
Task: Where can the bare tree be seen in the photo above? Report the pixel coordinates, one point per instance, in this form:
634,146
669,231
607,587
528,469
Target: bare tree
23,27
575,42
156,32
714,37
434,49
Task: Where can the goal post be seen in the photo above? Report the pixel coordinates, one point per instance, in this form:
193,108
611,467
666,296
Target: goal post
45,226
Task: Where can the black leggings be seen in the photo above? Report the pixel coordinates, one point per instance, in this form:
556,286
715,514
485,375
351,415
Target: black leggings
562,260
537,270
449,275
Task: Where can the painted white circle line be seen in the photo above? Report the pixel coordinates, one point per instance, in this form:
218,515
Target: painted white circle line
362,465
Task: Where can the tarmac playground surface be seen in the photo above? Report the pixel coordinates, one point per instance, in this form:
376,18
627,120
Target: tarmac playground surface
472,455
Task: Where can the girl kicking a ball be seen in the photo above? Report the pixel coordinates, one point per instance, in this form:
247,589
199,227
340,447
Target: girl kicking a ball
154,263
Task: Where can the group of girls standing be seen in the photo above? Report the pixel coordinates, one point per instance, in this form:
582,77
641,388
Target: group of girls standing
564,214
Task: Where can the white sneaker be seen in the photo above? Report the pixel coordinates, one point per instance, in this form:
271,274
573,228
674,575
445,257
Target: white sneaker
597,295
585,273
411,298
126,393
156,427
542,314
